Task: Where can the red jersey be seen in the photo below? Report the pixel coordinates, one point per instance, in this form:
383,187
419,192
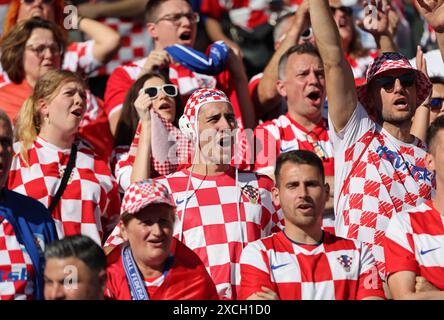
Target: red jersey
415,242
187,278
335,269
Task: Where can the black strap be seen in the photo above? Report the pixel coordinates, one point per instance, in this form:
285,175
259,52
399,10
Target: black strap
65,178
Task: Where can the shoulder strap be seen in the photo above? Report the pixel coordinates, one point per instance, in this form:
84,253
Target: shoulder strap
65,178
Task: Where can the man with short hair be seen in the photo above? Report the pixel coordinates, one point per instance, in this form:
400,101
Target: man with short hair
171,22
379,165
219,207
303,262
414,239
301,83
75,269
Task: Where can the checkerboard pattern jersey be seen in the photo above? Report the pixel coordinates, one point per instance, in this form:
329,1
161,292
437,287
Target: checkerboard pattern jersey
415,242
90,204
377,176
135,43
123,156
285,134
79,58
16,268
336,269
211,225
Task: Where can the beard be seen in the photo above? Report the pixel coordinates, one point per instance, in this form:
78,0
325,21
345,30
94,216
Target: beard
396,119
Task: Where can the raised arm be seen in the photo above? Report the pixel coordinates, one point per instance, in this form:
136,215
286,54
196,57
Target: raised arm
377,22
106,40
267,95
433,12
340,83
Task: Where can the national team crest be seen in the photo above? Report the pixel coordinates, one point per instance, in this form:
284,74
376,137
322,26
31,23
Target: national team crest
251,193
345,261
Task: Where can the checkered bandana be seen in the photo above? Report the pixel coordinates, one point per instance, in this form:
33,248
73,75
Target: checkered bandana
391,61
142,193
201,97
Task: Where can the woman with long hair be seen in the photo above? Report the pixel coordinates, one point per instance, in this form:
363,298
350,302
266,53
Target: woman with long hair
28,51
149,124
47,154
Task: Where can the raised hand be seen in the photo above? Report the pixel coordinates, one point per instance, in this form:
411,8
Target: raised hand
143,104
377,18
157,60
433,12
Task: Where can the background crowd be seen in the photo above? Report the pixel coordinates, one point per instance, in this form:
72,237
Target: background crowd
203,149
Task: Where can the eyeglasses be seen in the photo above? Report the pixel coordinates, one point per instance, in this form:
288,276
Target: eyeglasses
388,82
346,10
436,103
32,1
169,89
40,50
193,17
318,149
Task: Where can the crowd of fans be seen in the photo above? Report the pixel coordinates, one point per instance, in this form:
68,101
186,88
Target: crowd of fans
204,150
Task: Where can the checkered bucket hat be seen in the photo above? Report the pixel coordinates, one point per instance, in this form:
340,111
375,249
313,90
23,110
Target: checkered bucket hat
201,97
142,193
391,61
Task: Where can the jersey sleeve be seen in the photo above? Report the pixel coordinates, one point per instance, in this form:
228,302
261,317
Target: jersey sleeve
398,246
267,147
369,281
116,89
79,57
254,271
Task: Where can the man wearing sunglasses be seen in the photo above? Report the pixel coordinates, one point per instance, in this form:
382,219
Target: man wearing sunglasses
379,165
171,22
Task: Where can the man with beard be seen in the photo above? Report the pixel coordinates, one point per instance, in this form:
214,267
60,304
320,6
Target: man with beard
379,165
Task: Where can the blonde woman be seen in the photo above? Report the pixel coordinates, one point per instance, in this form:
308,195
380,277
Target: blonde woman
46,129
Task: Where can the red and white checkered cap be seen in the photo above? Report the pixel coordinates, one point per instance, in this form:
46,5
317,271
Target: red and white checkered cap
142,193
201,97
393,61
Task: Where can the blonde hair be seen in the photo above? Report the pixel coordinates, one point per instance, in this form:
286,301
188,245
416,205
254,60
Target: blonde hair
29,119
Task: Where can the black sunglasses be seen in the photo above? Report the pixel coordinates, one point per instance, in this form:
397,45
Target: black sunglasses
347,10
388,82
436,103
169,89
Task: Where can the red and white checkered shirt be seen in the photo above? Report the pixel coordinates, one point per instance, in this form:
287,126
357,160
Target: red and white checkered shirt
211,227
335,269
360,65
134,42
90,204
376,176
284,134
188,81
15,263
123,156
415,242
246,14
79,58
